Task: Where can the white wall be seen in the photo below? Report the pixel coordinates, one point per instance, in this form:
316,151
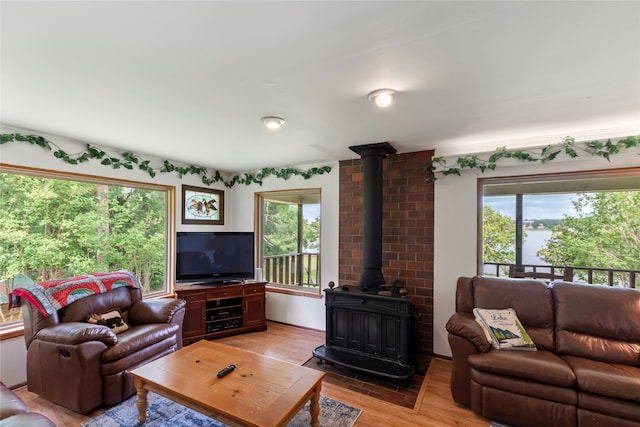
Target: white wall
456,231
298,310
239,216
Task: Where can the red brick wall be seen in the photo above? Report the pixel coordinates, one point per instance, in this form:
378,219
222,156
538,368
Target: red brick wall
407,232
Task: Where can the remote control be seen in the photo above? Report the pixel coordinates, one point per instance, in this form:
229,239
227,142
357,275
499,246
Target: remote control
226,370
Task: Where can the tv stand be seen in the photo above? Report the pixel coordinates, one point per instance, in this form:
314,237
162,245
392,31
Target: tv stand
220,310
218,283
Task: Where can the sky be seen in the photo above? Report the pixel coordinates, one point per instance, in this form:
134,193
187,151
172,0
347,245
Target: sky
311,211
535,206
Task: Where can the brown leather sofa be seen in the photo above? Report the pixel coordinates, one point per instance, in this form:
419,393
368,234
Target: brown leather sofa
14,412
82,366
585,372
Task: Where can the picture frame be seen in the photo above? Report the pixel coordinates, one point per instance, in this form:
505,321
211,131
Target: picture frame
202,205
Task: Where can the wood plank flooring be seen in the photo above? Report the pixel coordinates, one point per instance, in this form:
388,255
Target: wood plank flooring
434,407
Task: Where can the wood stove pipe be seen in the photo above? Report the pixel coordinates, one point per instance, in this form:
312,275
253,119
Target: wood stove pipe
372,156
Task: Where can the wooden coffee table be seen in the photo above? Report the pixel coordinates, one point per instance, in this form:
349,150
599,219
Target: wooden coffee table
261,391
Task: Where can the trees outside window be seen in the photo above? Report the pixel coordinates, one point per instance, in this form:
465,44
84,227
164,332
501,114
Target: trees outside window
589,222
604,232
61,226
498,233
289,238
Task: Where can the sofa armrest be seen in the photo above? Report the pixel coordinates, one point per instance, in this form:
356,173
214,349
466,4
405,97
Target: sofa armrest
465,325
466,337
161,310
72,333
10,403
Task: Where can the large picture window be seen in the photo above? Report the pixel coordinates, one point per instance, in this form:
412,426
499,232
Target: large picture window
580,227
55,225
289,239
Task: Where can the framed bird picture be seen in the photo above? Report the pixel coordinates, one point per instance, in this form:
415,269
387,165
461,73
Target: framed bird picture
202,205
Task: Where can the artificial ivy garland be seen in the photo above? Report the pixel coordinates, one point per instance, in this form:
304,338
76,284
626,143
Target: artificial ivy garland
129,159
545,155
438,164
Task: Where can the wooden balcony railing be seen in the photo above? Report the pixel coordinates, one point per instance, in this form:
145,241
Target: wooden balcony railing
298,269
591,275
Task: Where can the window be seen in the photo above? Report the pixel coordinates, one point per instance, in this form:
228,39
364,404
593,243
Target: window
55,225
578,226
288,244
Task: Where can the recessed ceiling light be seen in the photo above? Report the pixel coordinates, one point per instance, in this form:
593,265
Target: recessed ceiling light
272,122
382,97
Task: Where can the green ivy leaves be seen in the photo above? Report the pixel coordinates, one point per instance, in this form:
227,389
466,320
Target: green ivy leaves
130,160
545,155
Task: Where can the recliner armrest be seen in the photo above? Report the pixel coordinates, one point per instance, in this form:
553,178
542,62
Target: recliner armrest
161,310
465,326
71,333
10,403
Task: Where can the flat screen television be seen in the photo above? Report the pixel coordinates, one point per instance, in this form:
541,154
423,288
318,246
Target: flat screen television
214,257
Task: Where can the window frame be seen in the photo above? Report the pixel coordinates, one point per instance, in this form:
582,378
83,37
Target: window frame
296,290
13,329
546,178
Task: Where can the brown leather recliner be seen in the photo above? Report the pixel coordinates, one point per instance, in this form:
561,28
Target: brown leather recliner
82,366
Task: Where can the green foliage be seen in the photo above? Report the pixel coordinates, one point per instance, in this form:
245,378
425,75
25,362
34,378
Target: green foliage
51,228
498,232
311,235
567,146
130,160
605,233
280,224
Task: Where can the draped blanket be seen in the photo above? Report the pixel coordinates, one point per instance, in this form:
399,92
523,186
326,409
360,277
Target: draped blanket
53,295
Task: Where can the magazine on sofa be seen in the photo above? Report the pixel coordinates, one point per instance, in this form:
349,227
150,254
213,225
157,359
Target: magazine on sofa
503,329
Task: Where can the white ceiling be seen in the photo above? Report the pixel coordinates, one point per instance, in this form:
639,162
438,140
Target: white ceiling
189,81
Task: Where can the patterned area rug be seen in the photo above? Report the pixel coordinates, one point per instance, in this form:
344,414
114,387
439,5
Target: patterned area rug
163,412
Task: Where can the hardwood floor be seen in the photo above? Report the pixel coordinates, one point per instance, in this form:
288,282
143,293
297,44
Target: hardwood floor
434,407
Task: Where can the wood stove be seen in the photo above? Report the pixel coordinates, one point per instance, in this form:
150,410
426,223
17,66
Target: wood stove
367,329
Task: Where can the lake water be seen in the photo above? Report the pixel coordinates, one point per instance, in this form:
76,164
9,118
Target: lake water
536,239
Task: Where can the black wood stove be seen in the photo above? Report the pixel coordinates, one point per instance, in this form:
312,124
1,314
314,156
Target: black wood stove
369,329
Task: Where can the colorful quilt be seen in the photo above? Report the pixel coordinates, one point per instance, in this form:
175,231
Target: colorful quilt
53,295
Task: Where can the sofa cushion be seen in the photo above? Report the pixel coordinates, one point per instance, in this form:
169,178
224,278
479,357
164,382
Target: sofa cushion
10,403
597,322
503,329
522,387
27,419
596,410
120,298
15,412
531,299
137,338
606,379
540,366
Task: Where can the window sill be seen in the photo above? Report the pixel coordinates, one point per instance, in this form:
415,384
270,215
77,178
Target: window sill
12,332
289,291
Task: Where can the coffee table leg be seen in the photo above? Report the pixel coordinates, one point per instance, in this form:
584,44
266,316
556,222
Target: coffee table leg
314,406
143,403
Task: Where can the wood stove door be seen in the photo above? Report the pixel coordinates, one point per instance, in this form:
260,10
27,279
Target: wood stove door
390,338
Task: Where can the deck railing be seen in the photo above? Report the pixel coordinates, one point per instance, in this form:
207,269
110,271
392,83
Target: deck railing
591,275
298,269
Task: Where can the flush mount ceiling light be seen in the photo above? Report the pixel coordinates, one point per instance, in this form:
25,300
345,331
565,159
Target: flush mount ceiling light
382,97
272,122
